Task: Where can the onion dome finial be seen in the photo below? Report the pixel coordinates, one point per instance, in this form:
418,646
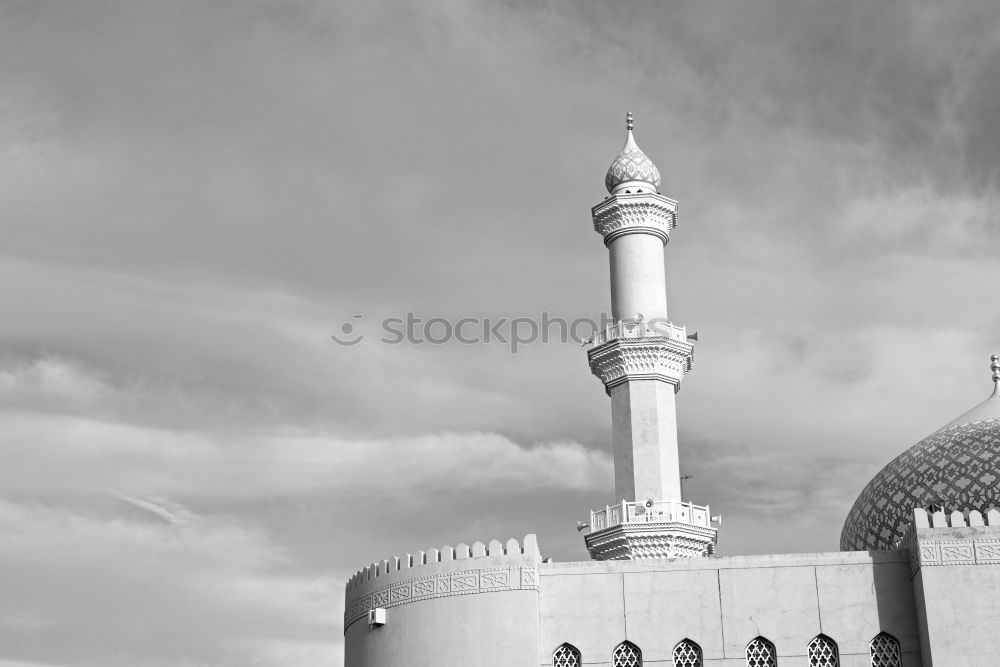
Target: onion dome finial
631,169
995,367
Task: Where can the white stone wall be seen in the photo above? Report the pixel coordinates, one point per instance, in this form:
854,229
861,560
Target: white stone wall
724,603
720,603
955,563
474,605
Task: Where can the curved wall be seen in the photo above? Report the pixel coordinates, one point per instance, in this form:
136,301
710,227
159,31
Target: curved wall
464,605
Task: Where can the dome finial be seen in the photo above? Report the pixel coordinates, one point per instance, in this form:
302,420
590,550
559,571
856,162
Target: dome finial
995,367
629,123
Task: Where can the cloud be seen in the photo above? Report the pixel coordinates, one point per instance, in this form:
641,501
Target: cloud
51,382
918,220
162,508
137,460
174,536
110,590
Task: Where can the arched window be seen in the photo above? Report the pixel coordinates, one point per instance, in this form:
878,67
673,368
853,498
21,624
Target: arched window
687,654
626,654
761,653
823,652
566,656
885,651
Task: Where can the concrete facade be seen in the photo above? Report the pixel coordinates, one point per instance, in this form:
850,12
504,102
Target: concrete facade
719,603
503,606
935,597
453,606
724,603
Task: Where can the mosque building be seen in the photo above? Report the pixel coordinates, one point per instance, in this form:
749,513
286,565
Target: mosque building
916,583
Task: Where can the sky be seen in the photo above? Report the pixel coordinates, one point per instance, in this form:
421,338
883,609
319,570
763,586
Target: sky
194,197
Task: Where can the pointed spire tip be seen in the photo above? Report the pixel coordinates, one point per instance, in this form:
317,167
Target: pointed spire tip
629,122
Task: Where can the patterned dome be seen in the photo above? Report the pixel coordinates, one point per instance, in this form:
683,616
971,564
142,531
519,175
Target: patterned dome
631,167
955,468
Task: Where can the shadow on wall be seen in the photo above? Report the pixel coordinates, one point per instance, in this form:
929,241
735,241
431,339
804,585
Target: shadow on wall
897,611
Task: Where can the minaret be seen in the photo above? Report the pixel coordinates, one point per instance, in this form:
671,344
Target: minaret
641,359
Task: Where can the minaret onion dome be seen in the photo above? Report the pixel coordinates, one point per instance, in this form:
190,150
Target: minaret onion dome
631,170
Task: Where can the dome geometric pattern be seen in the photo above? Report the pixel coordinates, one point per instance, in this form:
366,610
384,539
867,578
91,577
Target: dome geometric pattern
631,165
957,467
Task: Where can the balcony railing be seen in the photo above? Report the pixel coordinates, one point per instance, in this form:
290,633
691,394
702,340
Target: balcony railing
654,511
640,329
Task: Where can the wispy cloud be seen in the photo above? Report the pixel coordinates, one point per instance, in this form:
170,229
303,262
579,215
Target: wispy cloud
106,589
195,196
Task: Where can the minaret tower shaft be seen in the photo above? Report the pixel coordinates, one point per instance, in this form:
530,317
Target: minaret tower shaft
641,359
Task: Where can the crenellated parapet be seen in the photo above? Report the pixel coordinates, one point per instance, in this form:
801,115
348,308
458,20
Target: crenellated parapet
952,538
448,571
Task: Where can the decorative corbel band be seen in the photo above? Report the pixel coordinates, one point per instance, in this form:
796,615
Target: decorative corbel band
644,213
653,540
651,358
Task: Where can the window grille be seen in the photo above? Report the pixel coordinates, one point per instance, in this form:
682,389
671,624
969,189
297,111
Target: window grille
823,652
687,654
627,654
566,656
761,653
885,651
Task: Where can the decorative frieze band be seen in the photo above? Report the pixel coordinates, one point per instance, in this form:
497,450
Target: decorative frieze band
954,552
644,213
955,538
657,358
445,584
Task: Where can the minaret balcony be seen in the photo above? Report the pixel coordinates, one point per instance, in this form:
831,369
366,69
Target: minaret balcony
652,529
632,329
650,511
